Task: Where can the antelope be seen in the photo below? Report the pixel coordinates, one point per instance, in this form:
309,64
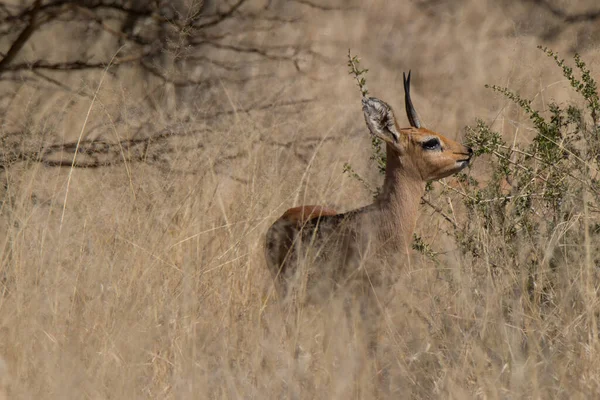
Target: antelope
415,156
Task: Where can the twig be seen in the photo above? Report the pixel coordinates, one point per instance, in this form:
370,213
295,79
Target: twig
353,63
439,211
222,16
22,38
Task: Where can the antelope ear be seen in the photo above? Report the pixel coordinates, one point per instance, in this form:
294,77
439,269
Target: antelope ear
380,120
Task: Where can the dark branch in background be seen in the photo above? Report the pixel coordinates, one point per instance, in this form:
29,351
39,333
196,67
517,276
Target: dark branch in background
161,45
571,18
98,153
220,17
186,82
168,34
22,38
59,84
318,6
57,5
64,66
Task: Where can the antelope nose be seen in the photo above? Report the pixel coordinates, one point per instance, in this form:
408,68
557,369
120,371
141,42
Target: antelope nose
470,150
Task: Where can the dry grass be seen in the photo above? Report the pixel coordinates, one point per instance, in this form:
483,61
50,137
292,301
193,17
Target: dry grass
154,284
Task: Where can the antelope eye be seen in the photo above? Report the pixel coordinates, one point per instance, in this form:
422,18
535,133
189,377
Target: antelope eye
432,144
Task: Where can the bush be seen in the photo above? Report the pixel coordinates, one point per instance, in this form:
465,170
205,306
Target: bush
538,209
539,206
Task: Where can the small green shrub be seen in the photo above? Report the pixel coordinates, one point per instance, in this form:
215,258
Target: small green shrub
536,189
540,201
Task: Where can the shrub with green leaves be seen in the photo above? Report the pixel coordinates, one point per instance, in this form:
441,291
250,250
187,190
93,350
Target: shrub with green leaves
538,204
541,203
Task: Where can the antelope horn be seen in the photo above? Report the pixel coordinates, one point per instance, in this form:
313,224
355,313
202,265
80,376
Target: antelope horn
413,118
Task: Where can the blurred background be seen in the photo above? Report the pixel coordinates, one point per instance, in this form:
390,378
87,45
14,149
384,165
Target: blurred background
146,146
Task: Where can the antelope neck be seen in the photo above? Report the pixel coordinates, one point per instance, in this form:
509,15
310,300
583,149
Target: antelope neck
398,203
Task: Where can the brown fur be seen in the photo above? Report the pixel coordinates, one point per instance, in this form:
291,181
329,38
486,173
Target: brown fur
383,229
303,214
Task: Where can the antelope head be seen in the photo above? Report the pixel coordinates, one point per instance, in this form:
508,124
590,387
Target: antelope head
417,151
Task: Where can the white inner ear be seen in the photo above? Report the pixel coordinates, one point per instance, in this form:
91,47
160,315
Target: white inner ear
380,118
391,127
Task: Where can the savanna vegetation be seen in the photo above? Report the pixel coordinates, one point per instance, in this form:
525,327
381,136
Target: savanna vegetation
146,146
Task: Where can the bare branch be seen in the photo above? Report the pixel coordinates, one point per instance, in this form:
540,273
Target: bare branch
439,211
318,6
208,81
22,38
571,18
221,16
100,153
63,66
56,5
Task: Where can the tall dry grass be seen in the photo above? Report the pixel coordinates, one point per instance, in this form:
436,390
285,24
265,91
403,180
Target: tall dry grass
147,279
